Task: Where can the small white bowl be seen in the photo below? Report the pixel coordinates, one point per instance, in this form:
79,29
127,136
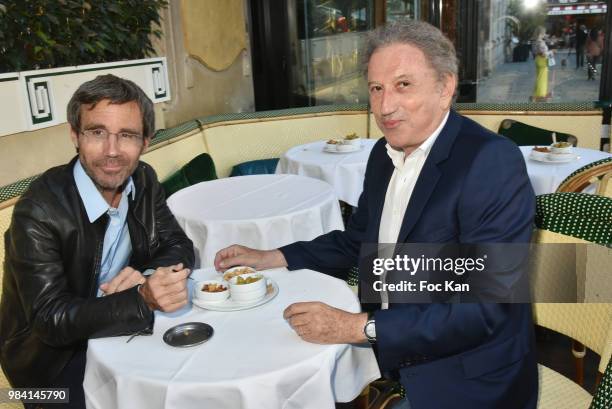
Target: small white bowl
354,142
346,148
207,296
238,270
330,145
539,155
243,293
561,147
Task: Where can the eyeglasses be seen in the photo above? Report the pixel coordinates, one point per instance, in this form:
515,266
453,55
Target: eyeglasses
123,138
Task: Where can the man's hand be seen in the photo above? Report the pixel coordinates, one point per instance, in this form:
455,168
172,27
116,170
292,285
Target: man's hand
127,278
166,288
243,256
320,323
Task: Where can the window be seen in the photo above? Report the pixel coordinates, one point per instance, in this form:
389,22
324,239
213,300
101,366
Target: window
328,62
532,50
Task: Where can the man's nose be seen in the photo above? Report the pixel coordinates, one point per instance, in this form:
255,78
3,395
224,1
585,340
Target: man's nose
388,102
112,145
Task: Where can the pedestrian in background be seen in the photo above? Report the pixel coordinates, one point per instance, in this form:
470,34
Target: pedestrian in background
594,47
540,54
581,37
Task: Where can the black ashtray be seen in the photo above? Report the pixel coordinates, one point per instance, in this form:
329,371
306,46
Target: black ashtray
188,334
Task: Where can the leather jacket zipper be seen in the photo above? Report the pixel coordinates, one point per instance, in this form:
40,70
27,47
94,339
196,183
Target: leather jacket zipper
144,229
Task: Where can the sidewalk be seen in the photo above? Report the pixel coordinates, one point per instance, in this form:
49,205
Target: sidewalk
514,82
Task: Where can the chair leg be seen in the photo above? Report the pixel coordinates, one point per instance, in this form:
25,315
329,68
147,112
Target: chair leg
579,351
598,378
363,400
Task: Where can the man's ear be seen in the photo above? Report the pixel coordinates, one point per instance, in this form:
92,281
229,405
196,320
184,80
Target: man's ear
449,86
75,139
145,144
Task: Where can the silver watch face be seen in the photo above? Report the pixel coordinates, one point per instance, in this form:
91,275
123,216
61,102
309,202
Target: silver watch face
370,329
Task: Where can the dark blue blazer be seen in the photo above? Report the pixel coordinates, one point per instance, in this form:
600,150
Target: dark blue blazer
473,188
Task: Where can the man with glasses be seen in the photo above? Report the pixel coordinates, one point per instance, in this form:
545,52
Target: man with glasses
92,250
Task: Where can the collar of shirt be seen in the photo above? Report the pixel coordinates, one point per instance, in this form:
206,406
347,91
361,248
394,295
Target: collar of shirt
94,202
399,158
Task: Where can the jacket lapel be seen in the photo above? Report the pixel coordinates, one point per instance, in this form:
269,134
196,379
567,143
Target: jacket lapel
379,189
430,174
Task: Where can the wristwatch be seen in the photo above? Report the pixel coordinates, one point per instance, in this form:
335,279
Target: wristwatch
369,328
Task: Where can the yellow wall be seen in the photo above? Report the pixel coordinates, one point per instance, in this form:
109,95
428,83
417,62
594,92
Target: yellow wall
30,153
167,160
200,89
584,125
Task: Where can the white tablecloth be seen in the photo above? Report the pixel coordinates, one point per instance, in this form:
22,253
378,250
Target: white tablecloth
546,177
344,171
260,211
254,359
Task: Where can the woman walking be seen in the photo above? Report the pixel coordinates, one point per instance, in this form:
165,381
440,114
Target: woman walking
541,55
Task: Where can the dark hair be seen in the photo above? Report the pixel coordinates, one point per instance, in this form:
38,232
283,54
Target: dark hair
117,91
438,49
594,33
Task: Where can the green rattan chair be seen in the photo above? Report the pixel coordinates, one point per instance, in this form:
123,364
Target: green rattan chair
603,394
579,215
523,134
598,172
572,218
199,169
576,321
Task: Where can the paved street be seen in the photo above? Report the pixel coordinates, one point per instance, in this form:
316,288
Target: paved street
514,82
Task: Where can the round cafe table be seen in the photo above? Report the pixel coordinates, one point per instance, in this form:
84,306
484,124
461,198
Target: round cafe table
546,177
253,360
259,211
344,171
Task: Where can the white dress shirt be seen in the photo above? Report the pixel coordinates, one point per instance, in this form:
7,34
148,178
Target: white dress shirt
406,172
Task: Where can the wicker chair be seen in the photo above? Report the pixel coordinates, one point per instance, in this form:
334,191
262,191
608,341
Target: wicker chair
571,218
584,323
598,173
603,394
559,273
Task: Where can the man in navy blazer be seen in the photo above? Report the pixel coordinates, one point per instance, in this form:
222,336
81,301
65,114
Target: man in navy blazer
436,177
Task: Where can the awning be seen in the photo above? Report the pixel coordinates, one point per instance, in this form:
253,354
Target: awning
578,9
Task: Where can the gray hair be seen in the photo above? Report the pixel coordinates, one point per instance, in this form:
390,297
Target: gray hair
438,49
117,91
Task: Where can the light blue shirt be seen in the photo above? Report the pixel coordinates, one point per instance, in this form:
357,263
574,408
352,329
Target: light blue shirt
117,247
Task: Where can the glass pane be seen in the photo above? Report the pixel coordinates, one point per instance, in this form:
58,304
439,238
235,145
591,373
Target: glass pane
330,36
531,50
400,9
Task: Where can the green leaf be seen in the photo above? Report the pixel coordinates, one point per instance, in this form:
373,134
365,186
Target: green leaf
52,18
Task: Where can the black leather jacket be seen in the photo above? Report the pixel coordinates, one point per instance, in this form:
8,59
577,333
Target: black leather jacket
49,306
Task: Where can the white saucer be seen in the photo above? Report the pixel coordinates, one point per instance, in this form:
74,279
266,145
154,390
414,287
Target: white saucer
231,305
333,150
560,158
